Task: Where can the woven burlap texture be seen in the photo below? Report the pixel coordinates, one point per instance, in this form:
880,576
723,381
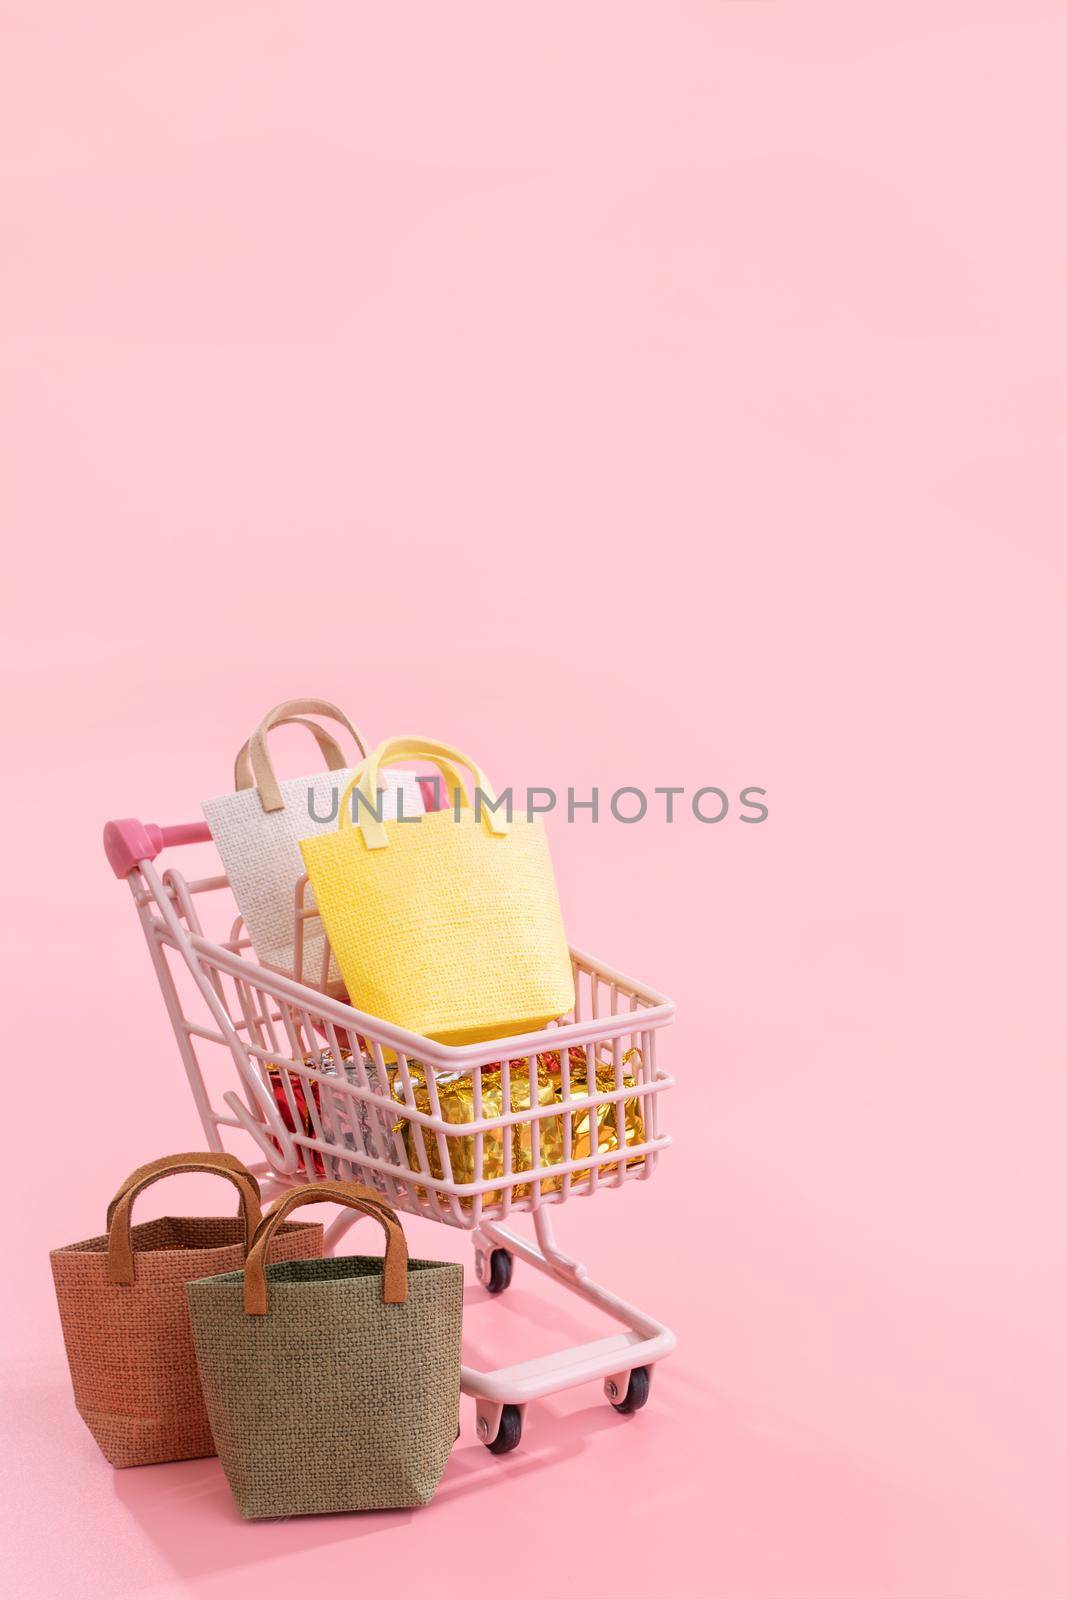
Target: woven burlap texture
129,1346
336,1387
448,932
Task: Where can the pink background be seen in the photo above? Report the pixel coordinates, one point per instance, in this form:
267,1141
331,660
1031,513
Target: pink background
631,394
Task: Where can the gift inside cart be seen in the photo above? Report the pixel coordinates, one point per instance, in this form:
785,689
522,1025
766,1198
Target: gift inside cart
469,1136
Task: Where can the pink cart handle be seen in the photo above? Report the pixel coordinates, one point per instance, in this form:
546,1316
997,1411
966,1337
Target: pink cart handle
128,841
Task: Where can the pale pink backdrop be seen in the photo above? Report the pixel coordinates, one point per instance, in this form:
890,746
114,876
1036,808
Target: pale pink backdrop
632,394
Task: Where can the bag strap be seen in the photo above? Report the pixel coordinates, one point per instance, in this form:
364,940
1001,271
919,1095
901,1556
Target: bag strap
358,1198
412,747
120,1255
179,1163
332,754
455,787
266,783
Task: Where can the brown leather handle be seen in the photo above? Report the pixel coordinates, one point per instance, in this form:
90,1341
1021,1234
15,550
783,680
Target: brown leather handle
120,1257
358,1198
270,795
332,754
186,1160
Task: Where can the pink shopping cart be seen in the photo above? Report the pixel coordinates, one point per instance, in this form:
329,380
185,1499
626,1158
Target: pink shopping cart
324,1089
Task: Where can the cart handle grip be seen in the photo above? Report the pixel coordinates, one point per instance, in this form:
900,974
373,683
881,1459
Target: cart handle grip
128,841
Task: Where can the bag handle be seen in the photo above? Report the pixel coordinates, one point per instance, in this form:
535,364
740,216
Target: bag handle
179,1163
413,747
332,754
270,795
453,783
120,1264
358,1198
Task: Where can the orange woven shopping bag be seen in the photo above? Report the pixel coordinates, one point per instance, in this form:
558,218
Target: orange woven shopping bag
126,1320
448,924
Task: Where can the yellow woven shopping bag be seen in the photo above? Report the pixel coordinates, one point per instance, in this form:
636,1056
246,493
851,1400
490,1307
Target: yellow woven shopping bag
449,924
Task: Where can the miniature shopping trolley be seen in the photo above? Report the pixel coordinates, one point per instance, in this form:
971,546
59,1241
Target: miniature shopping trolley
464,1135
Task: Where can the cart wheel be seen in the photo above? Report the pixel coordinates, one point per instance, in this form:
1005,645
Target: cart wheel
500,1264
636,1392
510,1430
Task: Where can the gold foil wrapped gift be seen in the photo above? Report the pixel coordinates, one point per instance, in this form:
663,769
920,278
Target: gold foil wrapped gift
607,1127
455,1093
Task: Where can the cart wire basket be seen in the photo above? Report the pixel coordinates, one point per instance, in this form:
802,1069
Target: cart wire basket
464,1135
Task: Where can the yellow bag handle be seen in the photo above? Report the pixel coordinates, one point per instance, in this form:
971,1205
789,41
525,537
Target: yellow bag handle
453,782
414,747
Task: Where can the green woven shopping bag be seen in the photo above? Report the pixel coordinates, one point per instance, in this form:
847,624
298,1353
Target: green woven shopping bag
448,925
331,1385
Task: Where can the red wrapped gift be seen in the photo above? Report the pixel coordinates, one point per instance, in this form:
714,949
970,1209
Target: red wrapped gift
312,1160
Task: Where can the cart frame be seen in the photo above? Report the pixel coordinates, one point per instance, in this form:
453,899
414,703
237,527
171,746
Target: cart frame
325,1089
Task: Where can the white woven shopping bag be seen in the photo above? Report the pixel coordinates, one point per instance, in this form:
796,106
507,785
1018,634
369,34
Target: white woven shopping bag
257,831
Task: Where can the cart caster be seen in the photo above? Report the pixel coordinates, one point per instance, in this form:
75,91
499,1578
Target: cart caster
494,1269
640,1381
508,1433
